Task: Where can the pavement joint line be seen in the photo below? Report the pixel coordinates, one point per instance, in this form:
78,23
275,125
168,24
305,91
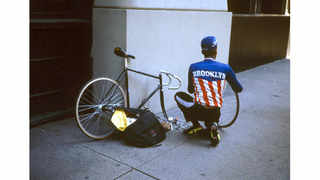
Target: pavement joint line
146,174
132,168
123,174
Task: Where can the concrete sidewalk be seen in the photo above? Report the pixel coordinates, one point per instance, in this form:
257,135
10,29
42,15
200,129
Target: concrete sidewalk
257,146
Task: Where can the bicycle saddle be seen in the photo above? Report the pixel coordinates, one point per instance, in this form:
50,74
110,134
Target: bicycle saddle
120,52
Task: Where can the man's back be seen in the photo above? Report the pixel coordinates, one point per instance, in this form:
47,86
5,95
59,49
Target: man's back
207,80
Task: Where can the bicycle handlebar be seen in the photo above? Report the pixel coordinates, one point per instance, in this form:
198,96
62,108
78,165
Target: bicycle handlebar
170,76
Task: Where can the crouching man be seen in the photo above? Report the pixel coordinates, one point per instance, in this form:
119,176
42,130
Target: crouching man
206,80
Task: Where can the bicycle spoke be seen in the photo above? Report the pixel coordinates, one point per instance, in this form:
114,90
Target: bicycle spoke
105,100
108,98
89,127
84,100
89,116
100,120
106,94
86,107
102,92
93,95
113,91
85,122
116,99
84,115
94,125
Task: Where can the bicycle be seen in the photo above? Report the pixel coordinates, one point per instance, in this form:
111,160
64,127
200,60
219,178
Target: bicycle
100,97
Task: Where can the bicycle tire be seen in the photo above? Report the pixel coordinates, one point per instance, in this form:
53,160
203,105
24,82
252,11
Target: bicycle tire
235,115
163,108
95,105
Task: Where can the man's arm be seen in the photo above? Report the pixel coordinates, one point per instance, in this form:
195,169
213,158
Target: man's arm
233,81
190,81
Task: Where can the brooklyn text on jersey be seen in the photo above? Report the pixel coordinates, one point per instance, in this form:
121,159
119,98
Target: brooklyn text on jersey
212,74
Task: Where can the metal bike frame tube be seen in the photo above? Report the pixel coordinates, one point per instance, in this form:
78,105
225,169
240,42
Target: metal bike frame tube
156,77
121,74
153,92
144,101
124,73
162,98
126,80
160,87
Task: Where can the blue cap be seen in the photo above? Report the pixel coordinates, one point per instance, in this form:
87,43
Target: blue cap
208,42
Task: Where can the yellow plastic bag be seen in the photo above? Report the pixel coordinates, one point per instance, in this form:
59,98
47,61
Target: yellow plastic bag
121,121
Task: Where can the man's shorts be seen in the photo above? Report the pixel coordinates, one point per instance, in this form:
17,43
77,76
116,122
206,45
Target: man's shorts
196,112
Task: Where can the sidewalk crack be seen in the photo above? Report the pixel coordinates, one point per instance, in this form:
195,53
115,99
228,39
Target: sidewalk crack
123,174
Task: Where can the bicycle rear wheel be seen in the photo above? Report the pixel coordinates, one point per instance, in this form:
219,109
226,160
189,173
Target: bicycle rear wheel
95,105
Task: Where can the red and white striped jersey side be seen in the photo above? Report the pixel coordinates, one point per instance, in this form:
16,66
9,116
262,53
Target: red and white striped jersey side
209,93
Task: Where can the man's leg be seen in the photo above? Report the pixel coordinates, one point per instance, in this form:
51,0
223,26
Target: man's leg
212,117
187,106
211,120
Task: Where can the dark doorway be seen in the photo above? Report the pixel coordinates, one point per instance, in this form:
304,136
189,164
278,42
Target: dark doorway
60,61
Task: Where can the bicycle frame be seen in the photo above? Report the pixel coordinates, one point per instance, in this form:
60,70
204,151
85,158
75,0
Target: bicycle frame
145,100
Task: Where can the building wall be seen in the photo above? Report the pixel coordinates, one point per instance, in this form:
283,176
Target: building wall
109,31
170,40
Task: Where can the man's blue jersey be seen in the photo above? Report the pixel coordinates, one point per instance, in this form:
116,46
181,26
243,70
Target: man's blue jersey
207,80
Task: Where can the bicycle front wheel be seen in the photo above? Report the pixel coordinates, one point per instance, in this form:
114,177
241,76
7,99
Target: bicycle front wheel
95,106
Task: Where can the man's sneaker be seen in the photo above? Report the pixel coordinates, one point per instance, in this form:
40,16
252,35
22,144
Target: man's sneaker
214,136
193,130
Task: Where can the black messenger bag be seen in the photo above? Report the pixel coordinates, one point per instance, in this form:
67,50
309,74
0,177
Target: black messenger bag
146,131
